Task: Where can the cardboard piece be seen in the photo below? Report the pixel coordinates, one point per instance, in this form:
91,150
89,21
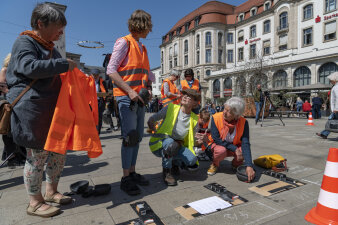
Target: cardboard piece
189,213
274,187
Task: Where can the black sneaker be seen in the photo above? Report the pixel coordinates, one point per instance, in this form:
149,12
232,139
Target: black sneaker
175,170
139,179
128,185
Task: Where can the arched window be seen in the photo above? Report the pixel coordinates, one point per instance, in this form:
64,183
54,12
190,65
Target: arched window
208,39
283,20
308,12
175,50
208,72
197,41
280,79
228,86
170,52
325,70
220,37
186,46
302,76
216,87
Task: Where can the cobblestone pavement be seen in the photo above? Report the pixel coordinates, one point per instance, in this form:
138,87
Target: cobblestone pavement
306,157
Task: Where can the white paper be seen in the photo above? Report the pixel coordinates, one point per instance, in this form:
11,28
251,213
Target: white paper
209,205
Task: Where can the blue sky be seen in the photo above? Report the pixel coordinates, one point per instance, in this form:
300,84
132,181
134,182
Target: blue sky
100,20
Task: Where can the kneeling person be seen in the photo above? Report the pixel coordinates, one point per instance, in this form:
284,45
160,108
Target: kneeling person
230,134
175,138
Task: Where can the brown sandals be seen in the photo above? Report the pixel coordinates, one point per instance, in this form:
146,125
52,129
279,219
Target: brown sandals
51,211
62,201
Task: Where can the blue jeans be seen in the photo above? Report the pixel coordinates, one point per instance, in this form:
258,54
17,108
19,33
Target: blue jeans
130,120
333,116
258,109
184,155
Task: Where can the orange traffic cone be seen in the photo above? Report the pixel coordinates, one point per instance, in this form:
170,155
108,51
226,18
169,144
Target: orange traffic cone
309,121
326,211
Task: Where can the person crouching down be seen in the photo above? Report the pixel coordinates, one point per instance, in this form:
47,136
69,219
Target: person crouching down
230,134
175,138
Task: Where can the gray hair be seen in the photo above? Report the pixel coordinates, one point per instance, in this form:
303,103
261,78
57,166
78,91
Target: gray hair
174,72
47,14
333,76
237,105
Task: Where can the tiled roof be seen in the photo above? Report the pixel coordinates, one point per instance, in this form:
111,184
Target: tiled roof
209,7
246,6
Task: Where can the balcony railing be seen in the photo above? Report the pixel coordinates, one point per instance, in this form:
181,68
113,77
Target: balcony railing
283,28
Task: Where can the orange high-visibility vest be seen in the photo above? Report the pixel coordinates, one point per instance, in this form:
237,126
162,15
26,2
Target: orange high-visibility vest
195,85
135,73
219,122
102,89
172,89
73,124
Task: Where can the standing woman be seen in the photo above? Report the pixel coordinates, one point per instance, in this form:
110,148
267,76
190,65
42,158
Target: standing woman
129,68
34,57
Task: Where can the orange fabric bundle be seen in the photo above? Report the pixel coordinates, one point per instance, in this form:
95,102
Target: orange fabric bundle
73,126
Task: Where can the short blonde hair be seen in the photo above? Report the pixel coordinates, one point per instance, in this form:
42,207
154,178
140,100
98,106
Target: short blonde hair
139,22
6,60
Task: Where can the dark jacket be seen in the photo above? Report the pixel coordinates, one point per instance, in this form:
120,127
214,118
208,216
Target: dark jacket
258,96
32,115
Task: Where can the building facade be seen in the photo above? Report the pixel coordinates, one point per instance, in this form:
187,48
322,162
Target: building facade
282,44
156,86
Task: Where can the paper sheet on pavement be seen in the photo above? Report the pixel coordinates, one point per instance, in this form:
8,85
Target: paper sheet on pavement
209,205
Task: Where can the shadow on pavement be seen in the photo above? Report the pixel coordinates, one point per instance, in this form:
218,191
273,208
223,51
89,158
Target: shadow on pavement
8,183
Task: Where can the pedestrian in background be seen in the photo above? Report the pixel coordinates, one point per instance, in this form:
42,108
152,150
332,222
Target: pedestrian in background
306,108
299,104
259,99
316,106
101,101
129,68
35,57
169,91
333,102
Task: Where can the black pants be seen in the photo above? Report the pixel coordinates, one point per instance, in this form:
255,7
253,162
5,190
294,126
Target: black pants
10,147
101,107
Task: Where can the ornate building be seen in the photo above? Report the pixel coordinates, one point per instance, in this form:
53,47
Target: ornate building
282,44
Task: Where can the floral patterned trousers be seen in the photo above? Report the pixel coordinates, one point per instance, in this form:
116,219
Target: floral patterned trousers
34,167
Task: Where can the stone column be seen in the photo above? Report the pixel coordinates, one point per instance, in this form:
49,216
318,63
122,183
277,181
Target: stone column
221,94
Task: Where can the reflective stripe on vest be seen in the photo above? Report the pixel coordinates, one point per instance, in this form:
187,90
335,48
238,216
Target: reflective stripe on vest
136,72
172,89
165,130
218,120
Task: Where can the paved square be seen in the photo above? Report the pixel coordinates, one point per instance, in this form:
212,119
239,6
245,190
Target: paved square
306,157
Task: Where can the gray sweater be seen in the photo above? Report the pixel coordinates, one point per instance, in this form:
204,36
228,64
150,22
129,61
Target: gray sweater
32,115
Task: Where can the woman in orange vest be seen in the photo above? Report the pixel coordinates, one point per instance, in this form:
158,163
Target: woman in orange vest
230,134
129,69
169,92
191,83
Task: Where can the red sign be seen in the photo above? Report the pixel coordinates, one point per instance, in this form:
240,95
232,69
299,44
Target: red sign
246,41
318,19
333,15
254,40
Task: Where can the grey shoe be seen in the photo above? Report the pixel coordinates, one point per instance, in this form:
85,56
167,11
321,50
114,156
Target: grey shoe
168,178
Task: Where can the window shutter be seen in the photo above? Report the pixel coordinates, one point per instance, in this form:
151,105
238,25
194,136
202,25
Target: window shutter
330,27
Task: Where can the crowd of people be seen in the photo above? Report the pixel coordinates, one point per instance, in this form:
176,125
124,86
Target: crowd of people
177,126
